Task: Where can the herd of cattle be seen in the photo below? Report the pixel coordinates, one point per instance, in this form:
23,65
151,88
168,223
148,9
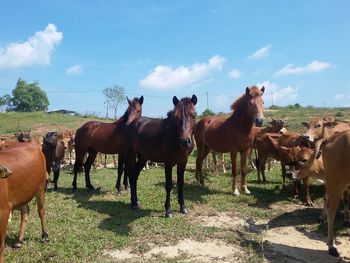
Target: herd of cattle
323,152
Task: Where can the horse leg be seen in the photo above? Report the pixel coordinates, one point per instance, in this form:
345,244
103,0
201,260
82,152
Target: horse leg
4,215
40,201
56,174
333,197
199,162
120,172
140,164
168,187
234,172
131,174
24,219
244,187
87,167
213,154
79,156
180,185
223,163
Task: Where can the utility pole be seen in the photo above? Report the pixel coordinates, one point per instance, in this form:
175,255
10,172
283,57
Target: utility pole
207,101
271,96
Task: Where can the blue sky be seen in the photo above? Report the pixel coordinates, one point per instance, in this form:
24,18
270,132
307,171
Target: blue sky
298,49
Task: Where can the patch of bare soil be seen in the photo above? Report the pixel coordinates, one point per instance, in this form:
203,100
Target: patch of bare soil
296,244
187,250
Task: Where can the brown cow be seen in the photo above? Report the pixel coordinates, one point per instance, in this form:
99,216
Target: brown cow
53,149
336,160
27,164
68,140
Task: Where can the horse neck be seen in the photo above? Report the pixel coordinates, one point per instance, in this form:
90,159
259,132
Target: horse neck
243,122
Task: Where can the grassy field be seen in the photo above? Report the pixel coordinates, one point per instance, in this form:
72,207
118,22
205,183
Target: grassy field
84,225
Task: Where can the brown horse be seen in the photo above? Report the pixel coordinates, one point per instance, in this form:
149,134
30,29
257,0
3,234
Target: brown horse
234,134
96,136
167,141
27,179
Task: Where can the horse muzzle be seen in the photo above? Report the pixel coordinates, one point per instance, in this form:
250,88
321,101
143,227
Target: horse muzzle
259,121
186,143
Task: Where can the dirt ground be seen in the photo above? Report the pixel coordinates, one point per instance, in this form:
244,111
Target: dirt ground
284,239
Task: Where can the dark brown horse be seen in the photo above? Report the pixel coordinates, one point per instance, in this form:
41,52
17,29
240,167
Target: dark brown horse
167,141
234,134
96,136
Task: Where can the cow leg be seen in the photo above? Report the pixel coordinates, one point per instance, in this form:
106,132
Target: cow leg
233,155
244,187
168,188
283,175
40,201
308,200
202,152
24,219
333,197
260,168
263,169
4,215
180,184
87,167
345,201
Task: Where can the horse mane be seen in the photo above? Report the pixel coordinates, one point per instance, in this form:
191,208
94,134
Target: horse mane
240,101
183,108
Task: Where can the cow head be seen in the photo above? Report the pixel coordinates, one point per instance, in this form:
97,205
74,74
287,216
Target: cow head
23,136
51,138
316,127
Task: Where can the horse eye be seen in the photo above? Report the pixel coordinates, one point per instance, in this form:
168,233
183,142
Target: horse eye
318,125
250,103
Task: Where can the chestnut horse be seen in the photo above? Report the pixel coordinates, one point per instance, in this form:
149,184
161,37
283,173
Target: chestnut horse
167,141
96,136
234,134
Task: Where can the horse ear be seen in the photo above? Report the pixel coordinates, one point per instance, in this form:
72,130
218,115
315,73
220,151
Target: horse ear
141,100
129,101
175,100
247,91
194,99
262,90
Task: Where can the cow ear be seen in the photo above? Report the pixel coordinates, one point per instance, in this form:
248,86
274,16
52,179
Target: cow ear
247,91
175,100
141,100
306,124
194,99
129,101
262,90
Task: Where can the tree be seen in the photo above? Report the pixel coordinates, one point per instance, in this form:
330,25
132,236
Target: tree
208,112
27,97
114,96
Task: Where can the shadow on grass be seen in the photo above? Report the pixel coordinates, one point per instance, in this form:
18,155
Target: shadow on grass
120,214
271,192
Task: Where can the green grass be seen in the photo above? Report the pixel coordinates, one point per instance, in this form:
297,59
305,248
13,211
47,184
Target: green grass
83,224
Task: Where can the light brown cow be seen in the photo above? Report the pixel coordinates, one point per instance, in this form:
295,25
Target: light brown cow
28,178
336,160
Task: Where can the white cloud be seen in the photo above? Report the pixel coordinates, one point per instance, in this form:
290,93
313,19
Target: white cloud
260,53
234,74
339,97
280,95
314,66
36,50
168,78
75,70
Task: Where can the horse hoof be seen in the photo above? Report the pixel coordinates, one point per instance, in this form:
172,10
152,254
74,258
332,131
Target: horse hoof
346,224
45,238
55,188
333,252
321,220
235,192
90,187
169,214
135,207
245,190
184,210
18,245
